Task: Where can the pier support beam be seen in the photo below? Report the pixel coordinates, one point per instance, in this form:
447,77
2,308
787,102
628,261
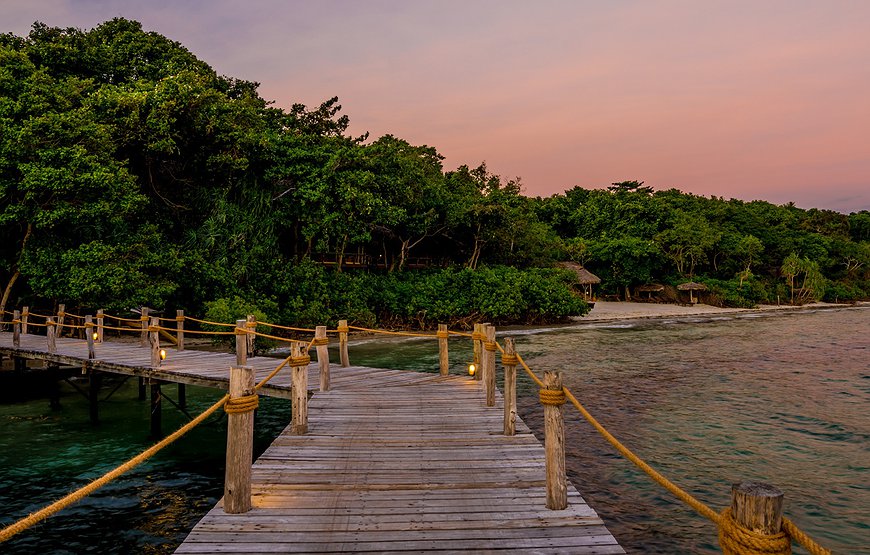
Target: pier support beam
142,392
182,396
95,382
156,410
240,445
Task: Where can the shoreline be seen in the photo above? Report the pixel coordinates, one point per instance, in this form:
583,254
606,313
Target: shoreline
609,311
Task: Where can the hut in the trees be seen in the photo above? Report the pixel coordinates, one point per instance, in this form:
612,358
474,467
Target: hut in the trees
650,288
585,278
691,287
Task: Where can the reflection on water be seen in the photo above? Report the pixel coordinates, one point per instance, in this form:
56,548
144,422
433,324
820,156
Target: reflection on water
781,398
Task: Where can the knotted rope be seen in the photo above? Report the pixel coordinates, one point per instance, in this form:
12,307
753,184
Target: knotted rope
509,359
736,540
442,334
342,329
552,397
477,336
239,405
490,346
320,341
303,360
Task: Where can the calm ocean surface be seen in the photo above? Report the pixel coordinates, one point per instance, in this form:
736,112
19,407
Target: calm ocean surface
782,398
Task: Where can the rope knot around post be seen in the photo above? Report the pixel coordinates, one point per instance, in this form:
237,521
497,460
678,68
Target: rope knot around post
303,360
91,324
320,341
141,318
737,540
250,324
239,405
241,331
153,329
477,336
179,318
552,397
490,346
509,359
342,329
441,334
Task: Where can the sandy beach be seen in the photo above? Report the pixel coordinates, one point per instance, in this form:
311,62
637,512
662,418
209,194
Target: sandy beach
609,310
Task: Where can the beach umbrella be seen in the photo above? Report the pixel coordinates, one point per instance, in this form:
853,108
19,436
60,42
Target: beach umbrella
691,287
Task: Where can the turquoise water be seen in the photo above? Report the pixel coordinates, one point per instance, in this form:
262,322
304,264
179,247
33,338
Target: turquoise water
781,398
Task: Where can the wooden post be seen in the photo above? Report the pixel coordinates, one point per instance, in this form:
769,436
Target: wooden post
95,381
179,324
50,336
477,341
299,395
154,341
240,445
322,357
100,321
241,343
489,365
554,445
443,355
143,339
25,313
510,388
156,410
89,333
16,329
756,507
251,326
342,343
61,313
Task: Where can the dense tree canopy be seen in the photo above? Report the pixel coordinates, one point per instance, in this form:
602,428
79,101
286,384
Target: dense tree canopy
131,173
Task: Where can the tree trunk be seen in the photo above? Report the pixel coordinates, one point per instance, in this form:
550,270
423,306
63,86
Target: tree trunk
7,291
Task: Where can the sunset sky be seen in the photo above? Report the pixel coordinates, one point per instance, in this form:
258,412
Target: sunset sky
741,99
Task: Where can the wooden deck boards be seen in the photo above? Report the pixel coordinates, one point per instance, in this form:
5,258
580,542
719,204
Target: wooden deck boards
393,462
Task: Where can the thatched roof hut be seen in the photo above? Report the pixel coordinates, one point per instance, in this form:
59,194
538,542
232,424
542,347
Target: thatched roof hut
691,287
585,278
650,288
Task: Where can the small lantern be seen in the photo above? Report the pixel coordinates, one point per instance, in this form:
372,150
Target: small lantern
162,354
96,336
472,369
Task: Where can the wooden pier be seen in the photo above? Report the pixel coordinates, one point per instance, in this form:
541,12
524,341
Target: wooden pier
392,461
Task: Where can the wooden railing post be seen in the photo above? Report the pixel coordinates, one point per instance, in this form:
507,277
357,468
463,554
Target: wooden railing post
554,441
16,328
61,313
755,507
477,341
322,344
89,336
251,327
240,445
342,343
154,341
241,343
510,387
179,324
299,389
100,321
50,336
25,313
143,317
443,354
489,349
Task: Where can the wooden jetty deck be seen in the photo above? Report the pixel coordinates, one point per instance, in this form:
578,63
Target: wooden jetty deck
393,462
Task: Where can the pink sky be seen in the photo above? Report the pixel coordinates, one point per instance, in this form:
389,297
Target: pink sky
741,99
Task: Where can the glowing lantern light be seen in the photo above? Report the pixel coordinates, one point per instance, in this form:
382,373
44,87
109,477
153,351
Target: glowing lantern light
162,354
472,369
96,336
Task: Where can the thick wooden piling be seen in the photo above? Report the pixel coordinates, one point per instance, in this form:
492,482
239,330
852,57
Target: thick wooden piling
299,393
182,396
510,387
143,318
489,348
443,354
241,343
154,342
179,326
554,443
240,445
89,336
143,393
342,343
322,344
755,507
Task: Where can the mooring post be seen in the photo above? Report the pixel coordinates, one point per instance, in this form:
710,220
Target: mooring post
143,318
95,381
322,344
25,313
251,327
50,336
156,409
241,343
342,343
240,445
179,324
61,314
553,398
16,329
443,356
755,507
489,348
100,321
154,341
509,361
299,391
89,336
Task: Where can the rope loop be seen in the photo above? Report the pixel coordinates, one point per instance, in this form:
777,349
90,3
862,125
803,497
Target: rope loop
303,360
89,324
442,335
250,324
153,329
477,336
342,329
320,341
61,314
239,405
241,331
735,539
552,397
509,359
25,314
143,318
489,346
179,318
